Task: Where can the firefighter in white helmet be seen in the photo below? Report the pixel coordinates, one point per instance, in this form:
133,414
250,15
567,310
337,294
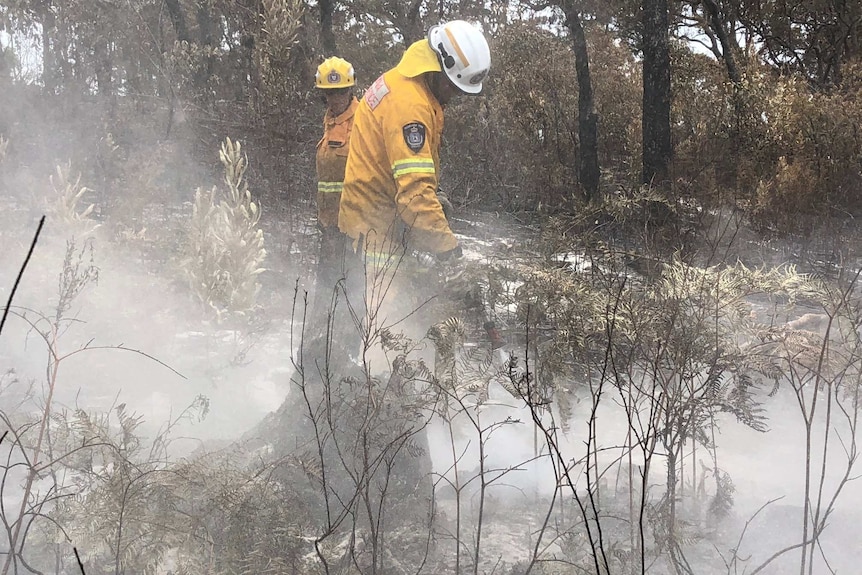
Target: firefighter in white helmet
389,202
389,208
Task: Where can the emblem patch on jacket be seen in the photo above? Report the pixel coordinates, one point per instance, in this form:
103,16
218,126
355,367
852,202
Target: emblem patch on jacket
414,135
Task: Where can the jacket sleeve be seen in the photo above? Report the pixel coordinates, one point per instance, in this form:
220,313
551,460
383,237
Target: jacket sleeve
408,143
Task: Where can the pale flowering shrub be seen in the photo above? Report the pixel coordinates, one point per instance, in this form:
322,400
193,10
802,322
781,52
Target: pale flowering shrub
225,252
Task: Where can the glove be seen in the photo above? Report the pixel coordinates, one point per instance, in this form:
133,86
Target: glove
453,254
426,260
451,264
447,264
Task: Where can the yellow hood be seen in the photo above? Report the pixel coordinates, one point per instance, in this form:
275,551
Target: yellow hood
418,59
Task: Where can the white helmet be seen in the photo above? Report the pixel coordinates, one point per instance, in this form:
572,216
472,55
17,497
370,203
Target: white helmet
464,53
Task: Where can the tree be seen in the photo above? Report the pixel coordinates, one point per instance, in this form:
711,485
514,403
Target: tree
327,37
657,146
404,17
588,145
588,130
178,20
719,26
814,38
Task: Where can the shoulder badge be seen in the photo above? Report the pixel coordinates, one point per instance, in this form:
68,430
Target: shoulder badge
376,92
414,135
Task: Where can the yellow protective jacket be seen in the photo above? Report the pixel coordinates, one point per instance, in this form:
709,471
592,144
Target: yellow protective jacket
390,184
331,161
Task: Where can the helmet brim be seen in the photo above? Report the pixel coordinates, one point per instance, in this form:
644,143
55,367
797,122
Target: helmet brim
469,88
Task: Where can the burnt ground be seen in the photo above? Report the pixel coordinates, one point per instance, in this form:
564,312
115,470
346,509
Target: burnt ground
142,302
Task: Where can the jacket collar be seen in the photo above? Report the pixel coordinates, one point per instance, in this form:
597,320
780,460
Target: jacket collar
418,59
345,115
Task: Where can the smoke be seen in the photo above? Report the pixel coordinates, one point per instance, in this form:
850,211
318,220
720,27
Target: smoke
138,337
177,354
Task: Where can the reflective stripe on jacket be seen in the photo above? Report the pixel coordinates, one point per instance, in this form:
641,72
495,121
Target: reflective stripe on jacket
331,160
390,184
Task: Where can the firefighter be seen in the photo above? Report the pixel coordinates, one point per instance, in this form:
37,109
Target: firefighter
389,204
335,79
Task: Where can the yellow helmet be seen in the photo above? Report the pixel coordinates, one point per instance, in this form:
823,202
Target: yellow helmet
334,72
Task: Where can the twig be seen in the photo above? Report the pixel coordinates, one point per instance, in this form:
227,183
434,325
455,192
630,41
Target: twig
21,272
121,347
78,559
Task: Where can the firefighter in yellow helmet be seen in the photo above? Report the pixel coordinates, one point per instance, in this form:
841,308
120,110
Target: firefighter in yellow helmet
335,79
389,204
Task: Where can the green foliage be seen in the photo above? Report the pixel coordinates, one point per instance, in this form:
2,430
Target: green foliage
225,243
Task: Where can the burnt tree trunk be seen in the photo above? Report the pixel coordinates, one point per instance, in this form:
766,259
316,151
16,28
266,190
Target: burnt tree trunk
657,146
327,36
588,129
722,26
49,55
104,67
178,20
207,37
406,19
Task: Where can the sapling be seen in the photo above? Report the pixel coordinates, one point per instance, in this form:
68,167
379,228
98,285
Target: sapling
225,252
